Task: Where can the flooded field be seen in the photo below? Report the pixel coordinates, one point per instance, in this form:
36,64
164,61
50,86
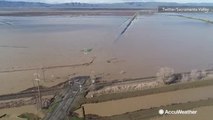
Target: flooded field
122,106
13,113
151,42
204,113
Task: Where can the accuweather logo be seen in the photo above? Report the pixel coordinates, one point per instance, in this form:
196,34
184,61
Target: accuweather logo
177,112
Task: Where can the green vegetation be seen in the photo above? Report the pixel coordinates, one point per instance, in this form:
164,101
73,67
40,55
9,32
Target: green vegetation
77,103
53,106
29,116
86,50
166,88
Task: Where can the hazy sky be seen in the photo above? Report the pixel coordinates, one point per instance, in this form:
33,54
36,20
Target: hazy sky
112,1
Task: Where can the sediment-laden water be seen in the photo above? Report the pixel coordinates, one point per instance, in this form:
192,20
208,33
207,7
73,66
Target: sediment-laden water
151,42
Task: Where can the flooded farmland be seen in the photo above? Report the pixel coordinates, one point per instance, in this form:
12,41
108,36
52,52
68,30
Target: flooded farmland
122,106
151,42
13,113
204,113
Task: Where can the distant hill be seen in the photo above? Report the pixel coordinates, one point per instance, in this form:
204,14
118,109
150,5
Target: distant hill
22,4
130,5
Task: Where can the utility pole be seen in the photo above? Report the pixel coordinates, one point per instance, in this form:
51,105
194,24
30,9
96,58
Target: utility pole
83,111
43,73
37,79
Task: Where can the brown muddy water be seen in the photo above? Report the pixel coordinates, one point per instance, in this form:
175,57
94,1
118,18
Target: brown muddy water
122,106
203,113
151,42
13,113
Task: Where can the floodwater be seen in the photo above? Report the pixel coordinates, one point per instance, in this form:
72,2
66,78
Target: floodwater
203,113
151,42
13,113
122,106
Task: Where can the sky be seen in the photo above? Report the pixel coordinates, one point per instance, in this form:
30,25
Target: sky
113,1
